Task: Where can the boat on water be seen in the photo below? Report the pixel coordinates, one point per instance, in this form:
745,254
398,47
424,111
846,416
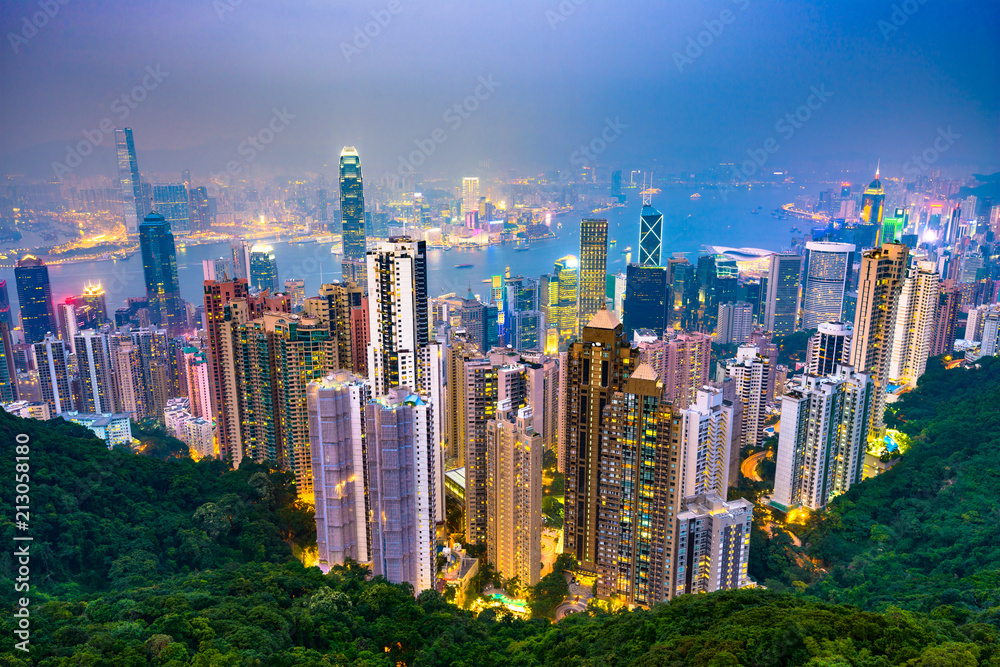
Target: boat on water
696,195
521,249
463,266
626,249
613,241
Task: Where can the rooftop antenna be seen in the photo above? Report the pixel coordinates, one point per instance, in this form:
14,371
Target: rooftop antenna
878,165
646,195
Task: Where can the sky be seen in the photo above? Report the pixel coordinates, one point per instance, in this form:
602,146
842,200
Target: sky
540,85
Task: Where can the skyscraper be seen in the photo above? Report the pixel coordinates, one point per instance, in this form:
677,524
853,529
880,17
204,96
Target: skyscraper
646,304
352,211
829,347
159,267
949,305
8,370
735,323
401,474
93,295
828,272
914,332
397,289
564,316
336,405
782,307
872,204
713,544
650,235
593,267
823,435
470,195
752,373
879,285
34,293
637,492
486,381
687,366
295,288
129,186
706,438
228,308
5,315
514,494
93,359
171,201
303,352
597,366
264,269
53,375
400,352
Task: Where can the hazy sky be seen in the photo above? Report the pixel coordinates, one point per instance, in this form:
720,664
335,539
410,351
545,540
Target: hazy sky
559,72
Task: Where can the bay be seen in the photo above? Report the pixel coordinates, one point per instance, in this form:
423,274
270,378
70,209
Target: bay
715,218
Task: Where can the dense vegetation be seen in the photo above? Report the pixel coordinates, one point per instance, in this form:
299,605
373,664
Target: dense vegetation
109,519
271,614
924,536
173,562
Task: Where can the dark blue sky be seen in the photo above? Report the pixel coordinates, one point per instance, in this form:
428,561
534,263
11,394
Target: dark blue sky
559,82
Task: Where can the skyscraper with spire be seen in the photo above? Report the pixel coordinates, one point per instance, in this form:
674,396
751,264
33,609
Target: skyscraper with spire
872,204
650,234
352,211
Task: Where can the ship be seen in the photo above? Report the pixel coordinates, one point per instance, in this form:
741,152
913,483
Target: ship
463,266
696,195
627,249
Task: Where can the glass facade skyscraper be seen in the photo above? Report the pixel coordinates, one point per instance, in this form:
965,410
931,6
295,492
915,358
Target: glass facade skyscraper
872,204
159,267
828,271
650,236
646,303
782,310
5,315
171,201
593,268
264,269
562,313
129,185
352,211
34,293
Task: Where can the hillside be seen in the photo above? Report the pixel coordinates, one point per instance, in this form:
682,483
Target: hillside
270,614
142,561
107,519
924,536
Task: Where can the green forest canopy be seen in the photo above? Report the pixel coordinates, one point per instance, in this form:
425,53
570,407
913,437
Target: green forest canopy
177,562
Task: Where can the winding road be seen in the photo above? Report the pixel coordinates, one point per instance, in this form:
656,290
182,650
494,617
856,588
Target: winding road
749,466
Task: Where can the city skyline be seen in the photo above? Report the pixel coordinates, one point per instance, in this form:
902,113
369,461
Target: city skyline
670,319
